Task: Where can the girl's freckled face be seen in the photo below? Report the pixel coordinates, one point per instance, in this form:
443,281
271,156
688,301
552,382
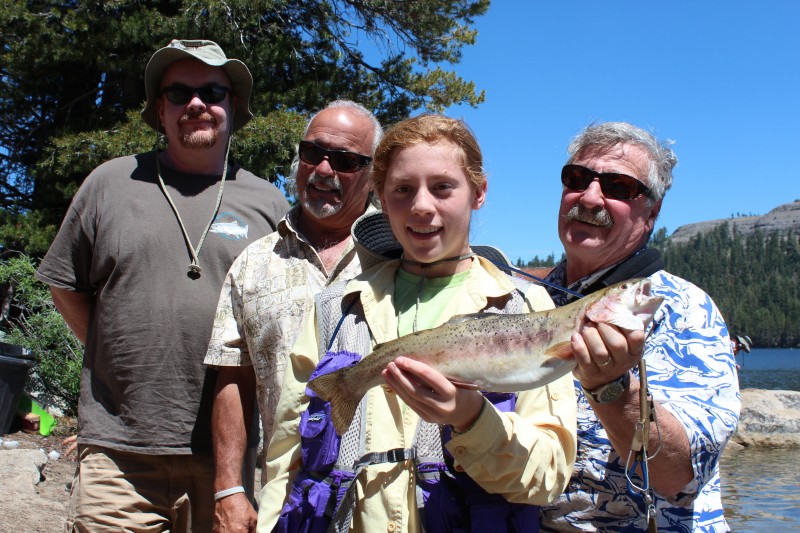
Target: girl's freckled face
429,200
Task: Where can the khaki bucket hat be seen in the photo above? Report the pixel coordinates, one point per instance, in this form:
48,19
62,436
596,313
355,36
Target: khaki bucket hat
209,53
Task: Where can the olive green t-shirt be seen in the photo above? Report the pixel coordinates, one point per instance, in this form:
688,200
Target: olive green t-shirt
143,385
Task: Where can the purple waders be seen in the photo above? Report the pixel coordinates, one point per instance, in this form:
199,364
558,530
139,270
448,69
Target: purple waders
451,501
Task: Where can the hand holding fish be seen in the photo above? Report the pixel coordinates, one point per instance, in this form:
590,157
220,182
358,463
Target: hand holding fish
604,352
491,352
431,395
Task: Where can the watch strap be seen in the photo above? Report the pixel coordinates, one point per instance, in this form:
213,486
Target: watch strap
611,391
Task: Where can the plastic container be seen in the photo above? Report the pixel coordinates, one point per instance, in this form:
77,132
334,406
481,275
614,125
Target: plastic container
15,361
27,407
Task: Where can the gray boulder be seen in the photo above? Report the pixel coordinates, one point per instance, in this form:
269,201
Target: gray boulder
21,470
769,418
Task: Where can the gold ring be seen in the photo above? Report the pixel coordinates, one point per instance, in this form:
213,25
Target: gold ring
606,362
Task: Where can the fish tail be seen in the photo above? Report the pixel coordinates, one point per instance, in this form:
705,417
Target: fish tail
332,389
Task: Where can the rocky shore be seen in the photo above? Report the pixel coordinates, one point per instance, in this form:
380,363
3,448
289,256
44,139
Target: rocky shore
34,492
769,419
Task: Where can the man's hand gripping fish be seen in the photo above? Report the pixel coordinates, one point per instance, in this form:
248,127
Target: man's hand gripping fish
492,352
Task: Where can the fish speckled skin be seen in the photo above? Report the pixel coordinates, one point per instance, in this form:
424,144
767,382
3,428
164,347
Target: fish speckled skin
492,352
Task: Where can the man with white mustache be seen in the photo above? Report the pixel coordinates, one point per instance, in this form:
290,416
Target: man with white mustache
322,208
581,213
271,287
614,184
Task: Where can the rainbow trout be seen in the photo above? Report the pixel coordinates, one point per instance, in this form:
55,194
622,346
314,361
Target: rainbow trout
492,352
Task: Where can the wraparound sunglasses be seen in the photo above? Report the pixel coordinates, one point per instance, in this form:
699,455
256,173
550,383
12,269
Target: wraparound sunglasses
180,94
339,160
614,185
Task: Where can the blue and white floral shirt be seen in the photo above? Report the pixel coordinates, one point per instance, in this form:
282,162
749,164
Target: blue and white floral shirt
691,372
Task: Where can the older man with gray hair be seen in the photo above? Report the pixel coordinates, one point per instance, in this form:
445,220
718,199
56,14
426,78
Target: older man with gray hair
613,187
271,288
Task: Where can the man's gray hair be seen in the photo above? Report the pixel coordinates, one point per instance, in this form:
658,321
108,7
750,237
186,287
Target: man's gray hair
359,109
290,186
606,135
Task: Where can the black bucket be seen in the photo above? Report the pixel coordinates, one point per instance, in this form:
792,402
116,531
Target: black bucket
15,361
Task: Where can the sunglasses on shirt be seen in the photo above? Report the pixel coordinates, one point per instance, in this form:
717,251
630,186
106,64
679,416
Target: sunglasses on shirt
180,94
339,160
613,185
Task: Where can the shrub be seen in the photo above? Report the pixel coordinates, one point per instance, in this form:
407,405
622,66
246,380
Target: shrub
29,318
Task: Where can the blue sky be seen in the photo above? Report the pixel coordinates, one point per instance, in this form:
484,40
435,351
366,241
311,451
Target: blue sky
721,79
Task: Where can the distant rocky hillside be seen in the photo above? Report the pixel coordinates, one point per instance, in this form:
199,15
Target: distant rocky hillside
783,218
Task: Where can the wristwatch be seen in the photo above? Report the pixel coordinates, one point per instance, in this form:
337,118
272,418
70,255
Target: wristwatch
610,391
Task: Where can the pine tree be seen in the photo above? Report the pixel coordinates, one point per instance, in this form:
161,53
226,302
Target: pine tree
754,280
73,80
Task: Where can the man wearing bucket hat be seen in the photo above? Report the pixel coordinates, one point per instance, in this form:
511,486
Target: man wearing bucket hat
136,270
272,284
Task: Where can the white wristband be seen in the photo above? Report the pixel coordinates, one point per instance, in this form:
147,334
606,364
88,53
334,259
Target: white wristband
227,492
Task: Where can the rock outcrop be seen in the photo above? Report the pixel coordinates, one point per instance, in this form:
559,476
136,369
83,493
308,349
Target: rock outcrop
24,504
21,470
769,418
783,218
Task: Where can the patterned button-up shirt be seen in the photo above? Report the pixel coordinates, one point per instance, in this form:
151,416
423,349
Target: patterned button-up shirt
691,372
268,291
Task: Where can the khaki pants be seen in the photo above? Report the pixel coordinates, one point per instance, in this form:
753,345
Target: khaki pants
122,491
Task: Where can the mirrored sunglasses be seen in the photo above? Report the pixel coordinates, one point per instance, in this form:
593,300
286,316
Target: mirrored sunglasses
180,94
339,160
613,185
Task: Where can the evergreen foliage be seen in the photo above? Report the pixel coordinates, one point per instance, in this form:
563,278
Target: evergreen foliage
30,319
547,262
754,279
72,81
72,89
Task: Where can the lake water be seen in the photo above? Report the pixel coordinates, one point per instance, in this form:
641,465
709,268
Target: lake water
769,369
761,487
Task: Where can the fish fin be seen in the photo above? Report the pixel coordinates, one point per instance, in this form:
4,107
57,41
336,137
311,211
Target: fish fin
342,414
324,386
562,350
464,385
331,388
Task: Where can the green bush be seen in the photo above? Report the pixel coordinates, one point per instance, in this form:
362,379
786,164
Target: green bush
30,319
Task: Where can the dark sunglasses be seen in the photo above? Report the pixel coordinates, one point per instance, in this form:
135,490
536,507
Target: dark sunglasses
613,185
180,94
339,160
